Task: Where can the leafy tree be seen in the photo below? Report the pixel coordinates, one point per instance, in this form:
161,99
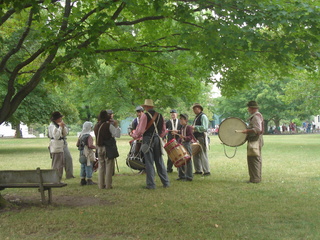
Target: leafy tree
269,95
43,39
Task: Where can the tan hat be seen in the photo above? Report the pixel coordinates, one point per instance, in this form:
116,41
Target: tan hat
197,105
148,102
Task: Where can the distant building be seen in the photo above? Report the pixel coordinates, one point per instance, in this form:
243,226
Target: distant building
6,130
317,121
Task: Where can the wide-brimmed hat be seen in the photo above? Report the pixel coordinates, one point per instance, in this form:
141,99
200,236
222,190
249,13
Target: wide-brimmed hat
184,115
148,102
139,109
56,115
197,105
252,104
173,111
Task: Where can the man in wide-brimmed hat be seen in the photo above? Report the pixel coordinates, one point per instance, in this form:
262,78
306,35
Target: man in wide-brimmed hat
200,128
57,131
255,142
172,125
151,128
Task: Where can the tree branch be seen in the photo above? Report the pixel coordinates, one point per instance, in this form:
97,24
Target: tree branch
139,20
11,11
19,44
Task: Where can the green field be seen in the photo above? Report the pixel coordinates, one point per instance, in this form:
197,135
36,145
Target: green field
222,206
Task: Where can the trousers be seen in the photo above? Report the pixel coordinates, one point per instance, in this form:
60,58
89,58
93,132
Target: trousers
200,160
153,156
106,169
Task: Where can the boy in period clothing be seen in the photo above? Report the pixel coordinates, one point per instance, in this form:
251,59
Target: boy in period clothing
185,138
172,125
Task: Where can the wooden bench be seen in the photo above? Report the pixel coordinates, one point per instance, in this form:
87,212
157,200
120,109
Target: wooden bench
43,179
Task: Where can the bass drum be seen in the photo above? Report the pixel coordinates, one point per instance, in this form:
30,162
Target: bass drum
228,132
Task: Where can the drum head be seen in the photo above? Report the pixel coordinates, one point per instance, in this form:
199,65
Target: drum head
228,134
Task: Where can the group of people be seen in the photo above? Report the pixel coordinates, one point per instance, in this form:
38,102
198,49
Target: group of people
151,128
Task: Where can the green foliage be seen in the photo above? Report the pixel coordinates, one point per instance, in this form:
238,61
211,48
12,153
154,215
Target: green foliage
157,48
270,95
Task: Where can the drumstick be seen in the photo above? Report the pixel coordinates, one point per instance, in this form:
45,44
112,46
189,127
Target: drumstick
238,131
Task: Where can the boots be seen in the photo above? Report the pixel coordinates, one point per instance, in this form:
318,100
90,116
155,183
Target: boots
83,182
90,182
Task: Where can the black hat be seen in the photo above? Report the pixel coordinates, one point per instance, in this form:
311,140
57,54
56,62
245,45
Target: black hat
252,104
55,116
139,109
109,111
173,111
184,115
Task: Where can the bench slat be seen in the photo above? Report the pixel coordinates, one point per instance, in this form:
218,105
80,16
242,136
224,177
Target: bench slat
29,176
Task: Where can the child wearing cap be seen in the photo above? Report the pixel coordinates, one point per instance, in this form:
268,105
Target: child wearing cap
185,138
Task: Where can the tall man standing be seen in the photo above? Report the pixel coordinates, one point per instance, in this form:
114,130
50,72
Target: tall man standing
255,142
152,127
200,127
172,125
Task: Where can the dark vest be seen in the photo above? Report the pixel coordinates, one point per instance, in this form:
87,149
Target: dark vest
197,121
104,134
170,127
151,129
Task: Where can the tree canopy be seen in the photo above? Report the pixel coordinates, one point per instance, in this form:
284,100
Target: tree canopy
160,48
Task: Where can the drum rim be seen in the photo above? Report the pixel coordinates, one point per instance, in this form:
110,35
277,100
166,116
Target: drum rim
243,142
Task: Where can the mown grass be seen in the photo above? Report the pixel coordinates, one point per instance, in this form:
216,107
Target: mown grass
221,206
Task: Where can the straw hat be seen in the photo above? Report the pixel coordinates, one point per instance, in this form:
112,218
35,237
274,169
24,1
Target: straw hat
148,102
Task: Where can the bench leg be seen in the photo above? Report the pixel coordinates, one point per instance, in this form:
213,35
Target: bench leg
49,196
43,197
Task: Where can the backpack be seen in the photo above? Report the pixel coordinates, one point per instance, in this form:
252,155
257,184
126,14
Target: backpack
83,141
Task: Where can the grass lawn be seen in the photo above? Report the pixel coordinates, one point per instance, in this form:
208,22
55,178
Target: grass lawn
222,206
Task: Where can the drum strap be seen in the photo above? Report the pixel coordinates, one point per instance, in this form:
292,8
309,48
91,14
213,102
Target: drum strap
152,121
225,152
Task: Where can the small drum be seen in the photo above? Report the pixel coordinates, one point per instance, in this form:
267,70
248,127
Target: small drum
177,153
228,132
195,148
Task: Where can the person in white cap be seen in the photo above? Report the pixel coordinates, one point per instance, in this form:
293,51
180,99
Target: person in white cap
151,128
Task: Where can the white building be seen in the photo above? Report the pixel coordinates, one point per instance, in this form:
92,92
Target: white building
6,130
317,121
